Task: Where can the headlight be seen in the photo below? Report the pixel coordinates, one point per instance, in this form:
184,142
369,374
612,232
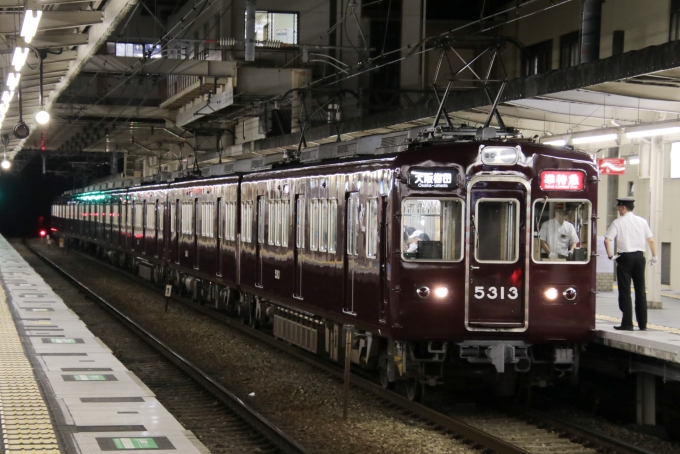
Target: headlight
500,156
441,292
551,293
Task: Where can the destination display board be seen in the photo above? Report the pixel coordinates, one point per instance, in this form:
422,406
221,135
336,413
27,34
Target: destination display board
432,178
562,180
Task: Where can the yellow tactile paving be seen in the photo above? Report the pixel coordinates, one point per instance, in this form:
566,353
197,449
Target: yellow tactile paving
666,329
24,418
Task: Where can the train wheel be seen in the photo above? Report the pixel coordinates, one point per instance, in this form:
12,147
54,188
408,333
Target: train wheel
382,366
384,380
414,390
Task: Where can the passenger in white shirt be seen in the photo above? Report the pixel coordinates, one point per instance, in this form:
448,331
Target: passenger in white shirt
631,232
558,237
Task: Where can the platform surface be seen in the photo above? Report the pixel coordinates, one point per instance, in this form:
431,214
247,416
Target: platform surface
61,384
661,339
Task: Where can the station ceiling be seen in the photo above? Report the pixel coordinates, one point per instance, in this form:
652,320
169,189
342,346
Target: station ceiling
638,86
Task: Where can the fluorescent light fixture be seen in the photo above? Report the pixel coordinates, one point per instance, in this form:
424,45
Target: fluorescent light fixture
7,96
19,57
555,141
30,24
634,160
653,129
594,138
13,80
4,108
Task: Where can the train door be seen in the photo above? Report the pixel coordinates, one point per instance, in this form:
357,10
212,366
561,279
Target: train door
496,254
196,230
352,227
383,257
175,226
261,205
219,214
299,220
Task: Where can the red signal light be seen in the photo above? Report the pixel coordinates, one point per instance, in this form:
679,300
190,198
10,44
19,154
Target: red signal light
43,233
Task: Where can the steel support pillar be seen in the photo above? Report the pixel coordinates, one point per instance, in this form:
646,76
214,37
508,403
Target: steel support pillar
646,399
250,30
656,153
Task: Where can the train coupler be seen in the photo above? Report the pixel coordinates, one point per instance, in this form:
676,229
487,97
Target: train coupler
498,353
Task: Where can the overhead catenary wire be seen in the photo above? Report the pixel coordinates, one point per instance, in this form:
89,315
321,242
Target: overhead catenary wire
323,79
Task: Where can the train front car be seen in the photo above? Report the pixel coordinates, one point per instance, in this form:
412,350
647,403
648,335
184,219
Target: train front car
493,268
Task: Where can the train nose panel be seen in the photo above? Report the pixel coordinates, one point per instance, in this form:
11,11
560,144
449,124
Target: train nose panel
496,254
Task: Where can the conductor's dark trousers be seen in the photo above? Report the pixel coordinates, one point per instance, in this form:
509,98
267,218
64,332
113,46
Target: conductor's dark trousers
631,265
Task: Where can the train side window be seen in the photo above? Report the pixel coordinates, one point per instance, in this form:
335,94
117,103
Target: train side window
230,221
139,216
207,220
160,218
323,226
432,229
333,225
372,228
247,222
187,218
272,222
561,231
300,224
314,225
150,217
173,216
128,217
285,221
279,223
497,230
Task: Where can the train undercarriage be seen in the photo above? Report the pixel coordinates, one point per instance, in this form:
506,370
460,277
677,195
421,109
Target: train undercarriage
503,366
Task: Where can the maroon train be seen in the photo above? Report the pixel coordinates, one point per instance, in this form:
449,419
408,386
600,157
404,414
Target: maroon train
433,255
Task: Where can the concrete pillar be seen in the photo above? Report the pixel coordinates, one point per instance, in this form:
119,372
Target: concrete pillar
655,207
646,399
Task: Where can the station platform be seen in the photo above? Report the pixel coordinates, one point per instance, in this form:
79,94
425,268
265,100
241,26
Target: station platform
661,340
61,388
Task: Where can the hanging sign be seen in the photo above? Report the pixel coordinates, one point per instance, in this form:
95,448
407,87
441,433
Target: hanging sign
611,166
562,180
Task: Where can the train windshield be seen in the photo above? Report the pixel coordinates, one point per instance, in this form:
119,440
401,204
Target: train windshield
561,231
432,229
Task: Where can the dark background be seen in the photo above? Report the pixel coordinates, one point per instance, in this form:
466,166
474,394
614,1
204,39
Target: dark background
25,196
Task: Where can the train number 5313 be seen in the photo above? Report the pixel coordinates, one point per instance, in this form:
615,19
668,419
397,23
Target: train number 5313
492,293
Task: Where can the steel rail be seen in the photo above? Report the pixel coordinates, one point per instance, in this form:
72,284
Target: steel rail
584,433
255,419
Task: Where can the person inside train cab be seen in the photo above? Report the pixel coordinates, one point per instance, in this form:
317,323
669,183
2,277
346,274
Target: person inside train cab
414,237
558,236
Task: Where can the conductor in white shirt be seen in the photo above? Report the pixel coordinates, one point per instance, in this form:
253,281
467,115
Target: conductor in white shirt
558,236
630,232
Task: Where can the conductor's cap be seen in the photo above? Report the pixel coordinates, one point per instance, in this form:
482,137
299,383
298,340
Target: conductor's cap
627,202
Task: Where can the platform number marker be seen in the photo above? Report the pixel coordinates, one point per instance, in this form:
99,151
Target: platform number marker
168,294
135,443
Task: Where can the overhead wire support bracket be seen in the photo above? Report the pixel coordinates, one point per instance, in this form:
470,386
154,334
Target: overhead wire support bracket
494,107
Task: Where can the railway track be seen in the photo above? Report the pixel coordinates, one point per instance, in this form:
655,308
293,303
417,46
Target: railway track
188,393
533,432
